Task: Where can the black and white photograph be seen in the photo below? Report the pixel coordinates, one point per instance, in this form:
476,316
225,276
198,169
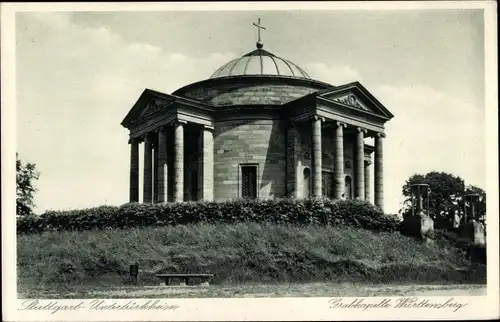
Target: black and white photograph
340,154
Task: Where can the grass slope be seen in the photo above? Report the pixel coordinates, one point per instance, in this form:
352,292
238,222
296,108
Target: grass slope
236,254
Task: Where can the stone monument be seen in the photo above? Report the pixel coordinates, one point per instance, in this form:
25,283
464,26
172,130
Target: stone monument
471,227
419,224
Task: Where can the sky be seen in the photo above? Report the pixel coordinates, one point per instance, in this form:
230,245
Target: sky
79,73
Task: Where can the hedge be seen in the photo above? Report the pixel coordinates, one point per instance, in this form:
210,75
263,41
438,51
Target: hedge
352,213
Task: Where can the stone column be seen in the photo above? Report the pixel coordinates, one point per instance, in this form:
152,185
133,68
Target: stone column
291,161
379,171
360,164
179,161
199,162
155,168
148,170
134,171
339,161
367,180
317,157
162,167
208,163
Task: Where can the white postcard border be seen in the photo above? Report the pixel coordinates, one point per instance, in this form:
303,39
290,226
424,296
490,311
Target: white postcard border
251,308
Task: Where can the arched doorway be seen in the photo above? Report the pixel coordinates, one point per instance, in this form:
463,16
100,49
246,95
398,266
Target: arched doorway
348,187
306,183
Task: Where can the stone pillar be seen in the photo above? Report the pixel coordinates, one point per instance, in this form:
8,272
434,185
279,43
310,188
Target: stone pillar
367,181
339,161
179,161
291,161
162,167
148,170
200,162
208,163
134,171
360,164
317,157
379,171
155,168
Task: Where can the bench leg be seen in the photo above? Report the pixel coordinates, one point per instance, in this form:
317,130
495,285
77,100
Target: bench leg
168,281
186,280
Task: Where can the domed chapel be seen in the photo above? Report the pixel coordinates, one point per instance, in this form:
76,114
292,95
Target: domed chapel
259,127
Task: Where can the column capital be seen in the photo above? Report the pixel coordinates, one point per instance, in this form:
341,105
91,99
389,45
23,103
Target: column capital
133,140
161,128
146,137
360,129
367,162
175,122
380,135
316,117
342,124
208,127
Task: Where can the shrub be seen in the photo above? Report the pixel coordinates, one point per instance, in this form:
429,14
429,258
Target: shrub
352,213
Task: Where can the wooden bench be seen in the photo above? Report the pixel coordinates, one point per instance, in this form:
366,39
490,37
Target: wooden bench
167,277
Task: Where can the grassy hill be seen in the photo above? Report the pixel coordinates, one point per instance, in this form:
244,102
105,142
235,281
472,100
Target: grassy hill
238,253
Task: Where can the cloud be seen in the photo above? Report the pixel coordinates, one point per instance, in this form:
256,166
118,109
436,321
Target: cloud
75,85
336,75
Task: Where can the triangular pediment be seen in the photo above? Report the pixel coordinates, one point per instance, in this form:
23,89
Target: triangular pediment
349,99
154,105
146,104
151,102
355,96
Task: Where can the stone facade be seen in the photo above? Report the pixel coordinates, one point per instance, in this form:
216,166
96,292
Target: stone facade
297,137
258,142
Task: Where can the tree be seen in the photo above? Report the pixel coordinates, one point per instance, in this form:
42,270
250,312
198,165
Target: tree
25,177
446,198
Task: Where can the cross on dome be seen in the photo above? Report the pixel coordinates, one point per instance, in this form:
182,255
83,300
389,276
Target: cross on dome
260,44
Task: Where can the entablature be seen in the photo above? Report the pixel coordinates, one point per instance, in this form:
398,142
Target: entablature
154,109
350,104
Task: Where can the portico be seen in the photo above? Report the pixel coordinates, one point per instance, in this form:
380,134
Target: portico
323,152
259,127
340,134
165,164
345,116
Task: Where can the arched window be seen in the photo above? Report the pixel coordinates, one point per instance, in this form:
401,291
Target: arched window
348,187
307,183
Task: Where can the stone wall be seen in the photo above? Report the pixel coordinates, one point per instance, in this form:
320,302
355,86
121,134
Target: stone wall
292,146
281,154
247,93
260,142
243,94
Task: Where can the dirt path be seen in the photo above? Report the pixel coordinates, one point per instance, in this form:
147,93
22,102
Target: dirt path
266,290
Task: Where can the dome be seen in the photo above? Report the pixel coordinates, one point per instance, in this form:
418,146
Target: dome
260,62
